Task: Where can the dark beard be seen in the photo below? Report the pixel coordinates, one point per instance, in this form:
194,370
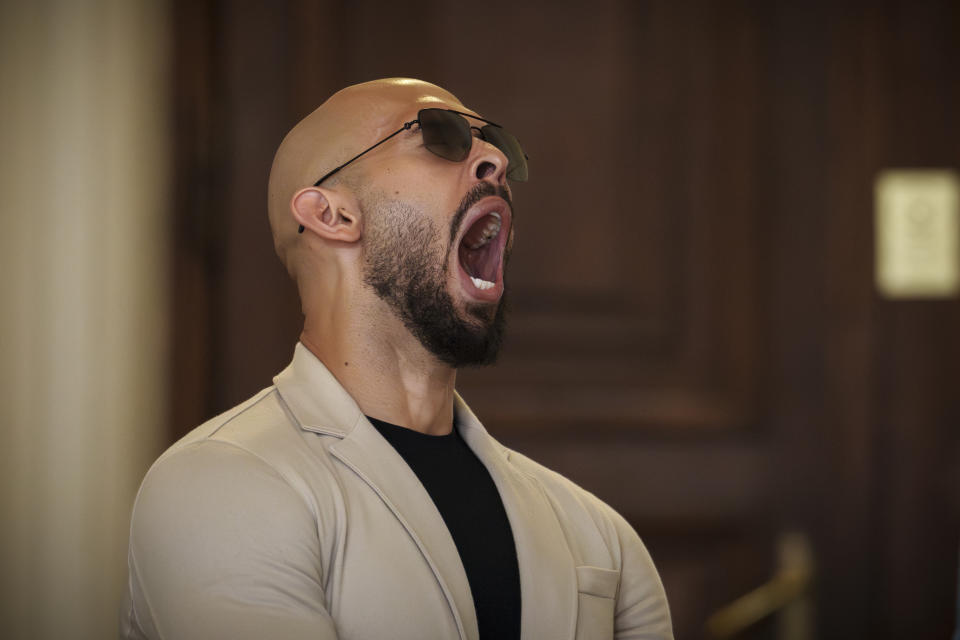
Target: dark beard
405,262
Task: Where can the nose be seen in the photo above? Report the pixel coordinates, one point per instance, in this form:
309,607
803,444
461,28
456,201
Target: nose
488,162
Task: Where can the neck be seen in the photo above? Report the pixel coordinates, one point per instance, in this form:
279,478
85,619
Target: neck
385,369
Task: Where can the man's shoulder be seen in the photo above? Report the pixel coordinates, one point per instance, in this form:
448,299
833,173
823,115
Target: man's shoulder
261,427
243,424
551,481
224,505
575,506
253,441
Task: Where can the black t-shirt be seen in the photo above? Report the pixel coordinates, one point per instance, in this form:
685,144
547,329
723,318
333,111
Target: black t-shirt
467,498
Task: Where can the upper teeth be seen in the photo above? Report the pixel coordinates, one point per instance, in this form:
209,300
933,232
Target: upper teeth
490,230
480,283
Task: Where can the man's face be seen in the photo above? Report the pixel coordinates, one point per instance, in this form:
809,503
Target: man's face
435,244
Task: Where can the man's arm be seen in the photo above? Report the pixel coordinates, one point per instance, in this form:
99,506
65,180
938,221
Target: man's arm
222,547
641,610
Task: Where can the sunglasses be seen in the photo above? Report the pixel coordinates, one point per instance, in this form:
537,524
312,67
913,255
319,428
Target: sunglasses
448,134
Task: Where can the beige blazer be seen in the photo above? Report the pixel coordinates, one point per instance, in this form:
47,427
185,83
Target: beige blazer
290,517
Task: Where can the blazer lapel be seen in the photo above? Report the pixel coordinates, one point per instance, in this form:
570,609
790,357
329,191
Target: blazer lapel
547,575
321,405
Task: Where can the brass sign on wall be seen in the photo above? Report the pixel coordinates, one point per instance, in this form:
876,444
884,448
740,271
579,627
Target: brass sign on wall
917,233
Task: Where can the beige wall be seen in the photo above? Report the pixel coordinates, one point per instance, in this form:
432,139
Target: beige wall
83,302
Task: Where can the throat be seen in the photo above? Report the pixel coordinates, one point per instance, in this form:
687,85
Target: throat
479,249
481,262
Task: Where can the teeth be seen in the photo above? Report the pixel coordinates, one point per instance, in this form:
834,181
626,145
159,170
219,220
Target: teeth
490,230
480,283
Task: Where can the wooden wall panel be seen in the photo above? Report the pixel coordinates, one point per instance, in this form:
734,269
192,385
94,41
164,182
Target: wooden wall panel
613,320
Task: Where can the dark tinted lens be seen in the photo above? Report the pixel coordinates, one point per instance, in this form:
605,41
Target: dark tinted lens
445,134
506,142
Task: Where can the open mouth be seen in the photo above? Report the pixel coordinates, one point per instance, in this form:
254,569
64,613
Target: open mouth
481,249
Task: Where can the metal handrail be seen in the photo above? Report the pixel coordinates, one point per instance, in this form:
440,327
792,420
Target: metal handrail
787,592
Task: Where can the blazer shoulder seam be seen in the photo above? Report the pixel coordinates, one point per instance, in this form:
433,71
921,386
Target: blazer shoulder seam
238,411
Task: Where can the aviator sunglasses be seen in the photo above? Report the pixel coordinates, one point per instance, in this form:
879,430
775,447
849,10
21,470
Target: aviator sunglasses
447,133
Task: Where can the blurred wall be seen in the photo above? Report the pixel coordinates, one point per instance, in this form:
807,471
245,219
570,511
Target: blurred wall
83,322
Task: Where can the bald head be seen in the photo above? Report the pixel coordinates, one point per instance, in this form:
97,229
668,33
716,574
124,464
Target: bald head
347,123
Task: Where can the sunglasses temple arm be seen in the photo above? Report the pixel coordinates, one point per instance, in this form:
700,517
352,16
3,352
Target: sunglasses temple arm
470,115
406,125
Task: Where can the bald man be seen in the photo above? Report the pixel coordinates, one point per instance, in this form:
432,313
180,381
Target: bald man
359,497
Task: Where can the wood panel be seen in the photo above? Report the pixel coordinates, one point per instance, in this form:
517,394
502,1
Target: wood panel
614,321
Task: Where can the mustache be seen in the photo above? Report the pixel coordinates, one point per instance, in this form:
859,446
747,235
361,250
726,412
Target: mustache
475,195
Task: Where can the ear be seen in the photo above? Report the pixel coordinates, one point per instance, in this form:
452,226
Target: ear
313,208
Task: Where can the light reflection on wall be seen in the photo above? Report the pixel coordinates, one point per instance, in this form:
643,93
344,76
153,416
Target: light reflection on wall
83,250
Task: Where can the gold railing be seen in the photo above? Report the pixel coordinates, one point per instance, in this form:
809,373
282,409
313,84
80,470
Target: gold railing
787,594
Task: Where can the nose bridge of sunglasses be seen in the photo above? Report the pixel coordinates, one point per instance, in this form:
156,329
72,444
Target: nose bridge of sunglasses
493,135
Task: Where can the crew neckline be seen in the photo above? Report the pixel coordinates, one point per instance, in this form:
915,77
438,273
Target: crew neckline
405,432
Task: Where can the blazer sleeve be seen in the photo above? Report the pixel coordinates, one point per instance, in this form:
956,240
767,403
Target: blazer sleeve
641,609
221,546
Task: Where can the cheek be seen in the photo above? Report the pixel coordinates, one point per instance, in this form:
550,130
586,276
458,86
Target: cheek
413,188
428,181
434,189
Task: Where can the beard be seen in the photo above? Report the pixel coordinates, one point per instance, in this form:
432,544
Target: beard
406,262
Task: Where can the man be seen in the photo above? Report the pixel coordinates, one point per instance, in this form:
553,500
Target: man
359,497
